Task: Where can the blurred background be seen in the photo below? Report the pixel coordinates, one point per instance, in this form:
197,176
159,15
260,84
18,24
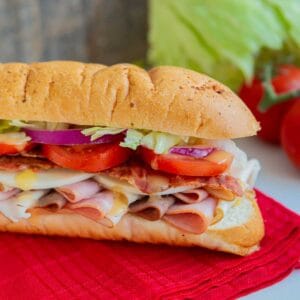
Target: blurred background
106,31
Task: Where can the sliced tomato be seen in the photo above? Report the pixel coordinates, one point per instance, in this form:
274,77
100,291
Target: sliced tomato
287,79
290,133
91,158
214,164
14,149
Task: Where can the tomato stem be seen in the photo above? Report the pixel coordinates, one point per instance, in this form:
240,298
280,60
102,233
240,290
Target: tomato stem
270,97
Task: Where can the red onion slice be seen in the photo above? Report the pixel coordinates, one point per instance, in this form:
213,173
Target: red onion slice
193,151
68,137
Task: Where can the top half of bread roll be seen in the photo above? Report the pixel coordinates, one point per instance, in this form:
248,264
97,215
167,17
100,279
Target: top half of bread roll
167,99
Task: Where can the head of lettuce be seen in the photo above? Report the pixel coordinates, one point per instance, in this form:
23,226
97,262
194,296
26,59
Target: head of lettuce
223,38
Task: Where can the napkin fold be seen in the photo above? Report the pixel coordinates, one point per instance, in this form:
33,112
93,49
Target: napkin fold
51,268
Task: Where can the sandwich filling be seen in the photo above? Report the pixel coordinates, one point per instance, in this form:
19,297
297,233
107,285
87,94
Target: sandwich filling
104,173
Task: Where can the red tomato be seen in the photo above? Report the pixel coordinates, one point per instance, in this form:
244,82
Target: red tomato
92,158
14,149
185,165
290,133
286,79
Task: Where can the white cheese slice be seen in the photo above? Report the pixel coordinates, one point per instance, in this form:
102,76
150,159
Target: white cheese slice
47,179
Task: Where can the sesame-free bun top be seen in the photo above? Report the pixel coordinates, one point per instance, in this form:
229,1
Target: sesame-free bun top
167,99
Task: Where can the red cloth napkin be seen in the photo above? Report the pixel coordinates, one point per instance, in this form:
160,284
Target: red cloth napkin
62,268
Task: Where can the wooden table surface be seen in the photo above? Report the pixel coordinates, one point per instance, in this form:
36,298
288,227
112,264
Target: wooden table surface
106,31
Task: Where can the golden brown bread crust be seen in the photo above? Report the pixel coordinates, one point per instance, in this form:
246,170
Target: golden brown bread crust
247,235
241,240
168,99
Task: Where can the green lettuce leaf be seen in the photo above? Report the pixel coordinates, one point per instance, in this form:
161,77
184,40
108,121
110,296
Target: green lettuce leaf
20,124
6,126
160,142
39,125
133,139
97,132
14,138
222,38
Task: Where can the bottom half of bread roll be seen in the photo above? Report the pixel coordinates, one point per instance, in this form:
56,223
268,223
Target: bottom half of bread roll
239,231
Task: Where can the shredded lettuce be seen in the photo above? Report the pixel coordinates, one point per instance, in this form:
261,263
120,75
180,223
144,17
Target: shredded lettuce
6,126
50,125
20,124
97,132
39,125
133,139
14,138
222,38
160,142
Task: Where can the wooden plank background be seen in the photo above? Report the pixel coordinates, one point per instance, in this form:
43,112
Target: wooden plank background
106,31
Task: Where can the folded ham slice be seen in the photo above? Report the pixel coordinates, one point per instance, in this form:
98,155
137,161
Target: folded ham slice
95,207
192,218
53,200
18,207
8,194
80,190
192,196
152,208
